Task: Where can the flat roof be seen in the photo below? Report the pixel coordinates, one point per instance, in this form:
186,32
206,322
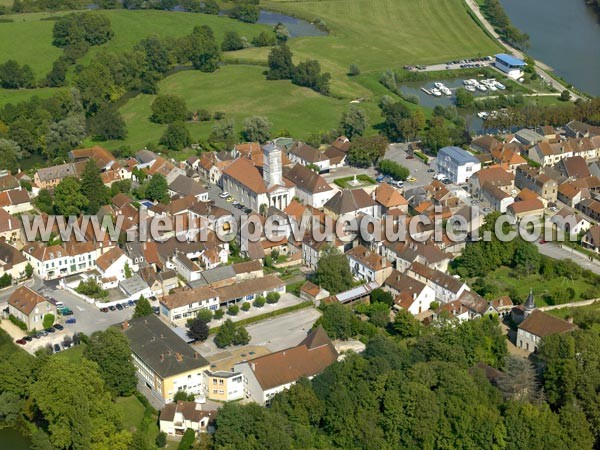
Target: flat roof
459,155
510,60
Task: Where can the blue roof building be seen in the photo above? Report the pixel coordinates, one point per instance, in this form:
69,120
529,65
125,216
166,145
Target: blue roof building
510,65
457,164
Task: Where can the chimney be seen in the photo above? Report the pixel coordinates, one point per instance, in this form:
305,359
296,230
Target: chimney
162,357
253,366
178,357
195,355
125,325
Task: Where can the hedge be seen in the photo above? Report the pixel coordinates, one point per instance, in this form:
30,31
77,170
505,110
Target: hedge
18,322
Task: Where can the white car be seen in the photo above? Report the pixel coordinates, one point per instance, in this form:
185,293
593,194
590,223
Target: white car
224,194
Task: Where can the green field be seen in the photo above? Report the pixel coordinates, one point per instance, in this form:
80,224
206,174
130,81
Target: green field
34,35
240,92
21,95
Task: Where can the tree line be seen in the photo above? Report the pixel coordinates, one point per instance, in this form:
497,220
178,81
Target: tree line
495,13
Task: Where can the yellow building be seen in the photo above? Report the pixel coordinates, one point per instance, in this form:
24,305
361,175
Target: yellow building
224,386
164,362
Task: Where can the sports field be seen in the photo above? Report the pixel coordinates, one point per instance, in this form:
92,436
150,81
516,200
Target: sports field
239,91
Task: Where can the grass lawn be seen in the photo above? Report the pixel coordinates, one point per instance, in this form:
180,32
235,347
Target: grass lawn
34,35
504,278
20,95
239,91
362,180
73,354
132,412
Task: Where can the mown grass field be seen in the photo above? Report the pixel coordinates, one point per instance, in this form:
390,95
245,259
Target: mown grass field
239,91
20,95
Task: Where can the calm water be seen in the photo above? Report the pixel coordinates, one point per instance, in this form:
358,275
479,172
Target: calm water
565,34
13,439
296,27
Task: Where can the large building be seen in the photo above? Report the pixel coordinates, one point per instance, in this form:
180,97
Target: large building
30,307
510,65
538,325
268,375
165,364
457,164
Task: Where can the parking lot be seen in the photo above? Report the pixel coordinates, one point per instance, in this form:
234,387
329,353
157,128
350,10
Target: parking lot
418,169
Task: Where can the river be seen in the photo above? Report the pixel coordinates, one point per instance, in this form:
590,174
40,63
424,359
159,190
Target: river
565,35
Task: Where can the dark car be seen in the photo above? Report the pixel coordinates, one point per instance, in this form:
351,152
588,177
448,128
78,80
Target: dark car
21,341
104,310
28,338
58,326
156,309
71,320
430,170
56,348
50,330
43,333
119,306
112,308
130,302
247,210
36,335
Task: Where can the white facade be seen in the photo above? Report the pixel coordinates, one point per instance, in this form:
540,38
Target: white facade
116,269
457,164
189,311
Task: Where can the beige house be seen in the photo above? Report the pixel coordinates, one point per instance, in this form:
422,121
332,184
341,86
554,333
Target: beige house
164,363
176,418
29,307
12,261
224,386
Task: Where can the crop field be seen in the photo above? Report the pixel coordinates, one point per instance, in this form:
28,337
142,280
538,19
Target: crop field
239,91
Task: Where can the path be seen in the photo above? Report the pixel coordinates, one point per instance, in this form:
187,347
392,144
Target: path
564,252
541,68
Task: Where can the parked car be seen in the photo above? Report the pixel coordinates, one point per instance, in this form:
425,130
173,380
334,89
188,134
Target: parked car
235,203
131,303
104,310
28,338
36,335
380,178
224,194
21,341
156,309
119,306
43,333
56,348
50,330
248,210
112,308
411,179
125,305
430,170
58,326
71,320
229,199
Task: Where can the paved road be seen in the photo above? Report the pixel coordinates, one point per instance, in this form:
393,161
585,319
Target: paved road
563,252
541,68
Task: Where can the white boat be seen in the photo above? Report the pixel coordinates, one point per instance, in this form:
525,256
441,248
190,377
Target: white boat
482,115
445,90
438,85
499,85
467,82
436,92
491,87
470,88
481,87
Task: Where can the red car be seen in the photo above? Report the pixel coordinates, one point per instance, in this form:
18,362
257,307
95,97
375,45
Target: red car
21,341
542,241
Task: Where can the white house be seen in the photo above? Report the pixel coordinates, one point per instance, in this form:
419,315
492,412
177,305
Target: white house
176,418
510,65
111,266
268,375
457,164
59,261
185,304
410,294
311,188
446,287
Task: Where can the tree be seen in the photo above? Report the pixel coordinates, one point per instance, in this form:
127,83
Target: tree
111,351
10,407
161,439
333,271
78,414
464,99
338,321
93,188
10,154
48,320
176,136
353,122
198,330
241,336
273,297
142,308
96,27
44,201
28,270
218,314
259,301
65,135
565,95
393,169
167,108
527,257
232,41
245,11
211,7
256,129
225,334
280,63
205,315
187,440
308,74
517,382
233,310
68,198
224,132
246,306
15,76
264,39
437,135
354,70
157,189
405,325
205,50
366,151
380,296
108,124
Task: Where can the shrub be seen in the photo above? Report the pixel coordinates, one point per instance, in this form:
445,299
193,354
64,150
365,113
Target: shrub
161,439
393,169
246,306
187,440
259,302
354,70
17,322
219,313
233,310
48,320
273,297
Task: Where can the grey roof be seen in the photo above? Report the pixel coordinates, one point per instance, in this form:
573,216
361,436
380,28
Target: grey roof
218,274
145,156
348,201
183,185
133,285
458,154
159,347
529,135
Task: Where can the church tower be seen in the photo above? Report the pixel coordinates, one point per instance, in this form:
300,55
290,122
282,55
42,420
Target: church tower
529,305
272,165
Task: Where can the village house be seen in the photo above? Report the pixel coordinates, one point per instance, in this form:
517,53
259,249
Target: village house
538,325
492,176
160,283
337,152
10,229
307,155
312,292
268,375
185,303
457,164
452,310
15,201
351,203
367,265
403,254
313,249
485,144
409,293
574,167
390,199
570,222
49,177
176,418
183,186
537,181
446,287
528,137
508,158
547,154
498,199
591,239
578,129
12,261
530,209
111,267
57,261
590,208
164,363
311,188
571,195
30,307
